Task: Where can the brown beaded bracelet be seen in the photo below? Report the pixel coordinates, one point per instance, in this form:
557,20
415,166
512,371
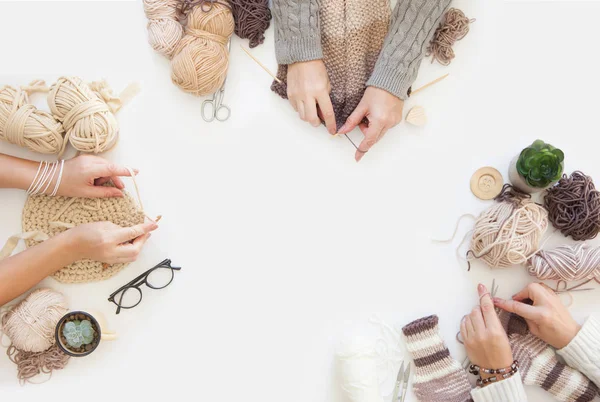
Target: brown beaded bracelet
475,369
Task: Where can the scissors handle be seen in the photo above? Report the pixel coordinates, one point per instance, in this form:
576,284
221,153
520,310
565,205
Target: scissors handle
209,115
223,112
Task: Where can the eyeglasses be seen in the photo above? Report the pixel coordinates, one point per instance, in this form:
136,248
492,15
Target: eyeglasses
157,277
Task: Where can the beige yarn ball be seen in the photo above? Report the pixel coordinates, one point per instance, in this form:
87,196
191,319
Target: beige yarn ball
23,124
508,233
164,29
201,59
88,120
30,325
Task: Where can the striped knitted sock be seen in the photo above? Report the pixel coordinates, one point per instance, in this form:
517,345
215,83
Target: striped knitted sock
438,378
539,366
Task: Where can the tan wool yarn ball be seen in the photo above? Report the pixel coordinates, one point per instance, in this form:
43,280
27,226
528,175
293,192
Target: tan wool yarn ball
21,123
88,120
201,59
30,325
164,29
54,215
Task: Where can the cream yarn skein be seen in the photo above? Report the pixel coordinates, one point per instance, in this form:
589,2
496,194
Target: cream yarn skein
21,123
509,232
85,114
30,325
164,29
201,58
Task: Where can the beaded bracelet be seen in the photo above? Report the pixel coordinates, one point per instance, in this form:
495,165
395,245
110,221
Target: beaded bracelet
503,373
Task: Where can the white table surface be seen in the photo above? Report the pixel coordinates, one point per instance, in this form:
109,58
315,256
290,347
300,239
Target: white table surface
287,245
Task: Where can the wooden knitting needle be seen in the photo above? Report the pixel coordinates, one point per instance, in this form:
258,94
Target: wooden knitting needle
429,84
260,64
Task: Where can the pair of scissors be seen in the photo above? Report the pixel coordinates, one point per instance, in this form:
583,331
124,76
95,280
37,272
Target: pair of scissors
401,384
214,108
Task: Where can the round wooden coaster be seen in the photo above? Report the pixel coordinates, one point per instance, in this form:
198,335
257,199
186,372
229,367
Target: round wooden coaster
486,183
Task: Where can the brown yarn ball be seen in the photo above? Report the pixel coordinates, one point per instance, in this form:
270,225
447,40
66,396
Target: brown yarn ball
164,29
201,58
573,206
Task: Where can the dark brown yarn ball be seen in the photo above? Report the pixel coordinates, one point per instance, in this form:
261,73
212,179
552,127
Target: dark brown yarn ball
252,19
573,206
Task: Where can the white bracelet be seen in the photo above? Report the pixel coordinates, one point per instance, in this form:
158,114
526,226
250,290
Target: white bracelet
62,166
50,176
35,178
39,184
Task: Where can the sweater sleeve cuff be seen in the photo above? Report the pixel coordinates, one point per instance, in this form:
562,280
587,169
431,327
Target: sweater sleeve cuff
585,345
298,49
395,82
509,390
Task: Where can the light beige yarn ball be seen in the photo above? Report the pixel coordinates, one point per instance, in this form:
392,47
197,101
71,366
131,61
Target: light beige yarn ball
30,325
53,215
201,59
23,124
164,29
88,120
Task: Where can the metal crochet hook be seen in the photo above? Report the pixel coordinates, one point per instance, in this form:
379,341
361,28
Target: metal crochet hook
214,108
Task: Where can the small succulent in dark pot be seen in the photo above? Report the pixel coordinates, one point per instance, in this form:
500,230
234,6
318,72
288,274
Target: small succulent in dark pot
78,333
537,167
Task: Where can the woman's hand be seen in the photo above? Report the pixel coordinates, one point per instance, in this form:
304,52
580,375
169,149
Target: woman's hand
547,318
382,109
308,86
107,242
85,175
485,339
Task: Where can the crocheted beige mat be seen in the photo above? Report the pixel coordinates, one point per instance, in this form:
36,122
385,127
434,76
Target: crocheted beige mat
54,215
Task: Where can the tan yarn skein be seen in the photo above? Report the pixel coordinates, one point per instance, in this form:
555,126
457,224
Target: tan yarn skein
30,325
164,29
21,123
508,233
201,58
85,114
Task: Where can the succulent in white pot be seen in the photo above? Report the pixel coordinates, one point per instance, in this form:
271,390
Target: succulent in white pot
537,167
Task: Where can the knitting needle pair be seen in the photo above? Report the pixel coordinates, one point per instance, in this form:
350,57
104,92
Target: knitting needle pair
401,384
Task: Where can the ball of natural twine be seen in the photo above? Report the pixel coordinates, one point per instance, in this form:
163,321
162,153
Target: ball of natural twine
85,114
509,232
164,29
23,124
201,59
30,325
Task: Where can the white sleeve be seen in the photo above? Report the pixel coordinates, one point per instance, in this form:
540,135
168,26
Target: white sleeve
509,390
583,352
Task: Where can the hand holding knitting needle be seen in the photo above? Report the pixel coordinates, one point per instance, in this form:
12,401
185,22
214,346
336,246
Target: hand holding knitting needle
484,337
308,86
383,111
547,318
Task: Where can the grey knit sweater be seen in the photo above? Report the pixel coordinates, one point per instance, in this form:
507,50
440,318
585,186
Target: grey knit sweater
298,38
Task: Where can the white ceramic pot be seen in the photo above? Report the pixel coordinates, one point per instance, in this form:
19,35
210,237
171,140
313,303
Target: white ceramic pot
520,183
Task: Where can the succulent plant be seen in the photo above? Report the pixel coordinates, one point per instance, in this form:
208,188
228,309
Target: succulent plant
540,164
78,333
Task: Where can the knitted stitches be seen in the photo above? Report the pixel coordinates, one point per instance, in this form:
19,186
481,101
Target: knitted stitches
298,38
51,215
352,34
438,377
539,366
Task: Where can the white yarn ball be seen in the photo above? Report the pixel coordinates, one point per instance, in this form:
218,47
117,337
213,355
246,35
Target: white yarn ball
30,325
358,369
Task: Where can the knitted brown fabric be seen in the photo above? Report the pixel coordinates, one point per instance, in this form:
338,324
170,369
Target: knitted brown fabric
438,377
352,35
539,366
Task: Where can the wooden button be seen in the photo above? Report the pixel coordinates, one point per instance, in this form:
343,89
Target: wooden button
486,183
